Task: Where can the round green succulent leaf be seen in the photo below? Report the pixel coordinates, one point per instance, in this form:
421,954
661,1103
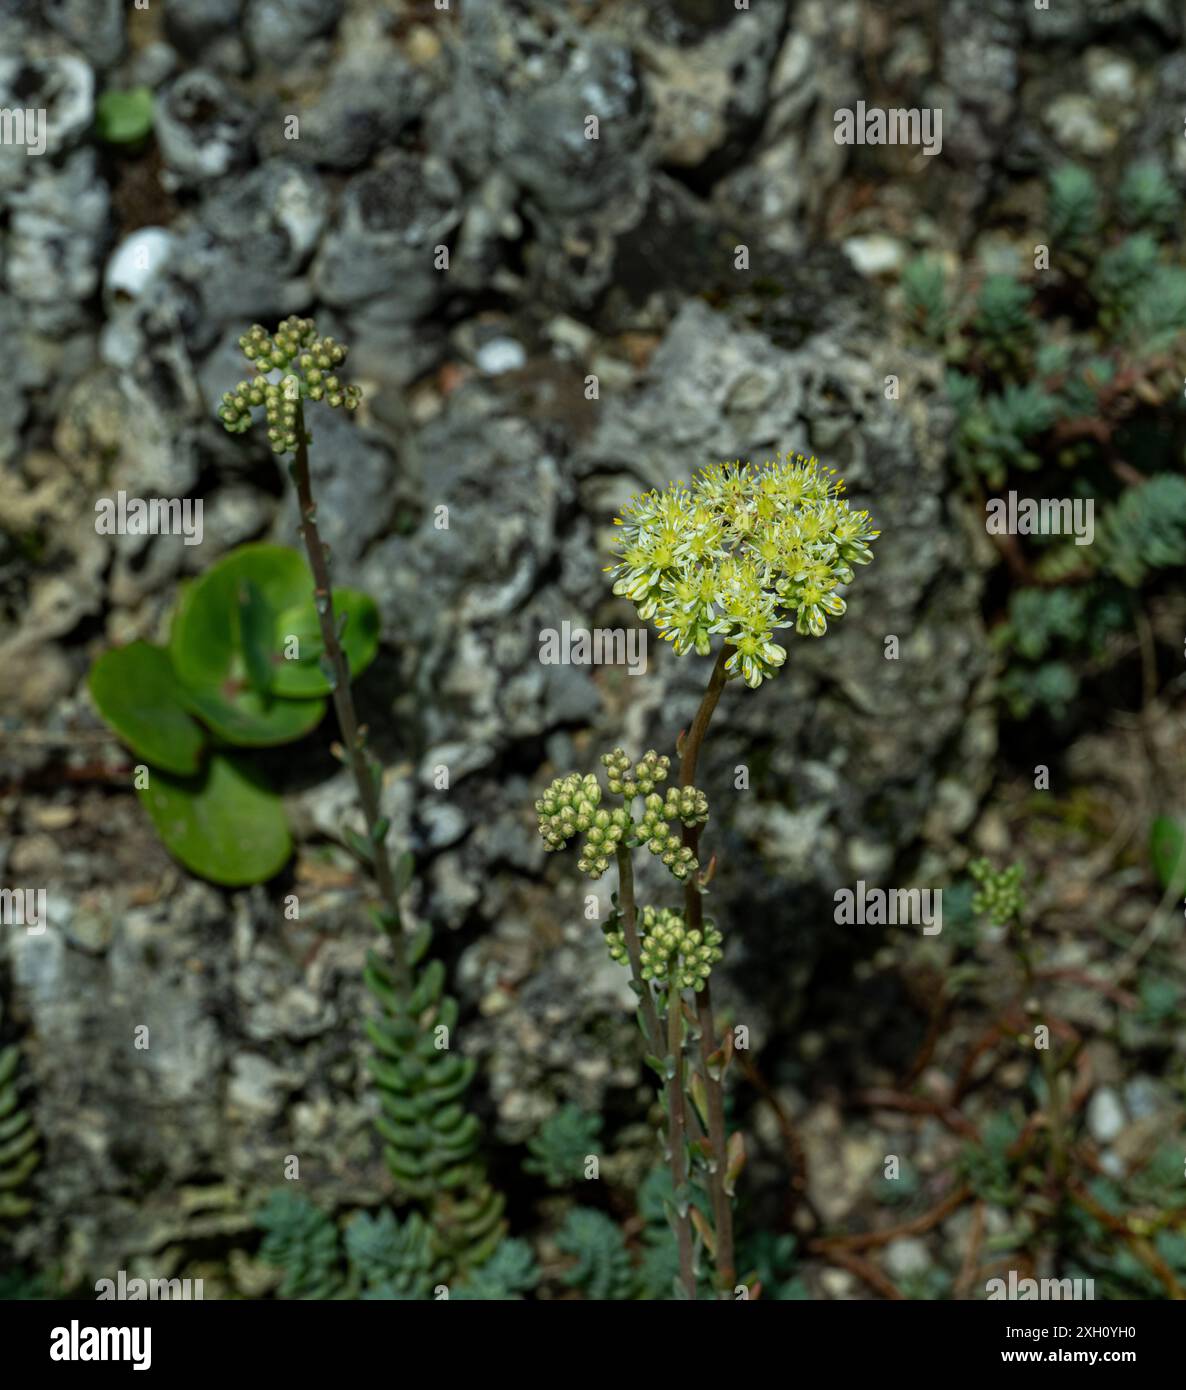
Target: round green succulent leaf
298,632
225,649
226,824
1167,845
239,715
234,606
136,691
124,117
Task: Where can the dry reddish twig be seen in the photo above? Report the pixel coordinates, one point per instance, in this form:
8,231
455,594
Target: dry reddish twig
938,1017
987,1040
1139,1247
868,1271
1085,1081
1080,977
971,1261
829,1245
59,774
882,1098
1129,388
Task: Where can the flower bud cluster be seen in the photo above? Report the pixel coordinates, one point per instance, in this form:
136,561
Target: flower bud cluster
669,951
308,366
639,779
567,808
686,804
609,830
572,805
1000,896
662,840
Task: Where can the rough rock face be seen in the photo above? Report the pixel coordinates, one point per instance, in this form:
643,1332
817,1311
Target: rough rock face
191,1015
569,259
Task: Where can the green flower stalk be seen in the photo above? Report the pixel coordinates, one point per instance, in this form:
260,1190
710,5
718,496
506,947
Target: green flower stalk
663,955
293,366
431,1141
741,553
1001,898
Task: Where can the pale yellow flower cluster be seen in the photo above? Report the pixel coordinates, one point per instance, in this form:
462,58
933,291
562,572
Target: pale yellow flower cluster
741,553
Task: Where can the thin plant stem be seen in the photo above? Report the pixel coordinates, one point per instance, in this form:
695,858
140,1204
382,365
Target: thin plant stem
1051,1070
673,1086
677,1132
361,765
690,748
722,1208
650,1014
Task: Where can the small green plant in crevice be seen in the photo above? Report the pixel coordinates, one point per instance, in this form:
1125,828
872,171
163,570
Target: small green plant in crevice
302,1241
393,1259
1066,390
431,1140
1129,1234
986,1165
1035,1161
19,1147
768,1260
602,1268
560,1150
379,1256
509,1274
739,555
773,1262
243,668
903,1189
124,117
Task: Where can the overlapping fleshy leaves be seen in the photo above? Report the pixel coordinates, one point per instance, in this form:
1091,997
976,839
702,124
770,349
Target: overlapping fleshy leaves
741,553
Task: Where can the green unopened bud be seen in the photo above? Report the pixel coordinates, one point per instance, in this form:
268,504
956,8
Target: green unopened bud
686,804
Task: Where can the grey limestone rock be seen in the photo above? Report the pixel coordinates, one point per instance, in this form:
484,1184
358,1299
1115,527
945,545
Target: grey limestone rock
204,130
